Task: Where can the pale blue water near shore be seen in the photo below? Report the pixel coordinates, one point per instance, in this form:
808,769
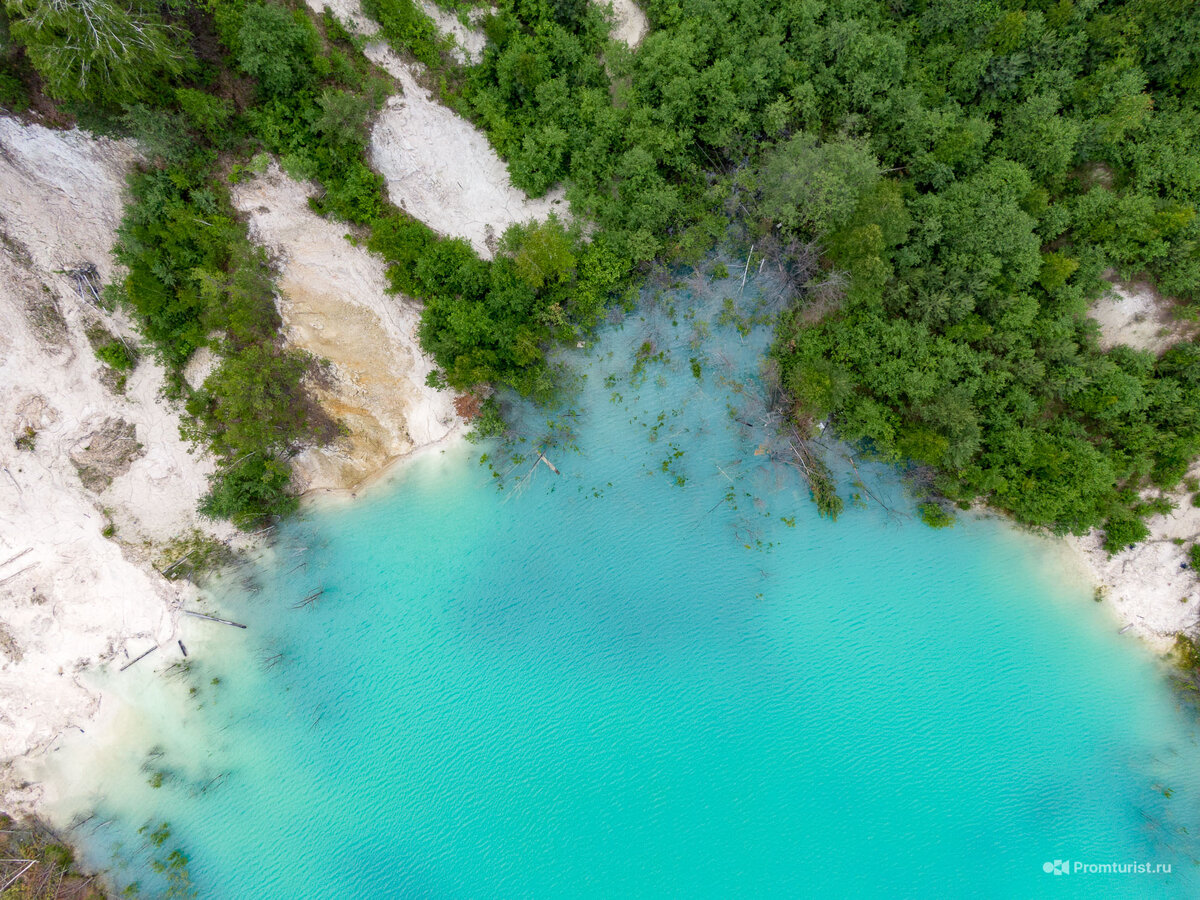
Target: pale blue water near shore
607,683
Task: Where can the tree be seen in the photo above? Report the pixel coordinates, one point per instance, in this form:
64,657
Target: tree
977,233
110,51
542,252
276,48
1035,135
812,186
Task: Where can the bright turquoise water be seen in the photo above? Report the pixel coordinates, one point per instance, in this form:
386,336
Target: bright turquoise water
608,684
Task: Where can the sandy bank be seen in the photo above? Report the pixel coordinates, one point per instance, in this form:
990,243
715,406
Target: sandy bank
333,302
437,166
440,169
95,481
1150,587
77,456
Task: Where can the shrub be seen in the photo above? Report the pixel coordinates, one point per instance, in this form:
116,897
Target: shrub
117,356
207,114
276,47
1123,529
249,491
934,515
406,27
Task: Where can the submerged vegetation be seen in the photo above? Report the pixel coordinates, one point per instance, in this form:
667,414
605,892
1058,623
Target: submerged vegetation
942,187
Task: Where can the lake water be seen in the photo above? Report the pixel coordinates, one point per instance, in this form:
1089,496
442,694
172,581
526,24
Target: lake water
658,673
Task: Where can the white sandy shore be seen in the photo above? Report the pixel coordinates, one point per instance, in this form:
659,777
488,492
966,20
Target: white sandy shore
70,598
92,460
1150,588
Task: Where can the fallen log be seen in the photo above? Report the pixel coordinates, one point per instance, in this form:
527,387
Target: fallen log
138,659
188,612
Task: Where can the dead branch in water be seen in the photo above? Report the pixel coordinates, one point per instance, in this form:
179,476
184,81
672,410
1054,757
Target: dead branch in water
178,561
746,270
785,441
862,483
541,458
311,599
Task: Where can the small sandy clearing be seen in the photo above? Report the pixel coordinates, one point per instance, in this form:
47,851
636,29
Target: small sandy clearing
629,22
1136,315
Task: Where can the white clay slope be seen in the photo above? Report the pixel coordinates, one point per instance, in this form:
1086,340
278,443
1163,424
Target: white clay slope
437,166
71,599
440,169
333,303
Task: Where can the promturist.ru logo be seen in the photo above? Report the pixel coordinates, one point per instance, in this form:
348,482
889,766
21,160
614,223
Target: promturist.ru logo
1058,867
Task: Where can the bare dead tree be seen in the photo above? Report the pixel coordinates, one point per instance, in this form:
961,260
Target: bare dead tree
697,282
862,483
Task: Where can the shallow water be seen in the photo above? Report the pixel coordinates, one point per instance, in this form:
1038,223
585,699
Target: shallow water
658,673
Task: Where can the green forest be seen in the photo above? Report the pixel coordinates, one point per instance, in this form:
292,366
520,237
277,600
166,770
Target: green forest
944,185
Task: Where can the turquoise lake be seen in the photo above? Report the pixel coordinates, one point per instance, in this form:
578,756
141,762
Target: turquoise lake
658,673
